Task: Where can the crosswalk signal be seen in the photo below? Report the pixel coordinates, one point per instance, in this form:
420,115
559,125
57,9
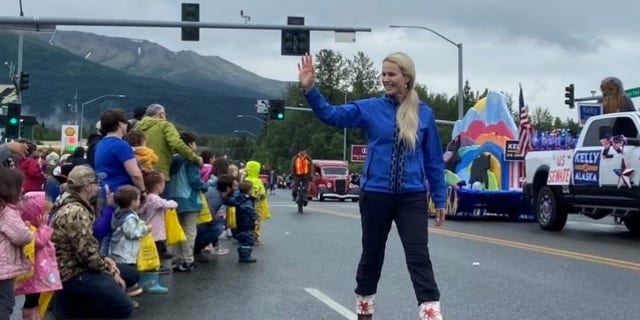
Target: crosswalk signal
190,13
295,42
276,109
12,130
569,94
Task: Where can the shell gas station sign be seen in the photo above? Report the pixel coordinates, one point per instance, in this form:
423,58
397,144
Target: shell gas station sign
69,139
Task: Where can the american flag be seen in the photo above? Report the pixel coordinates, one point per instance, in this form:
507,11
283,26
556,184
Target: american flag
525,127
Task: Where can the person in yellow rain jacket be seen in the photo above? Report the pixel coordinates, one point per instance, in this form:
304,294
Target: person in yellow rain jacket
260,194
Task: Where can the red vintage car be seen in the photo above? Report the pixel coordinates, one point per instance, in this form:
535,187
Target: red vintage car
331,181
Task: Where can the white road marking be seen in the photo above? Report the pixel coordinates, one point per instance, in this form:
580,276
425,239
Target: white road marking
332,304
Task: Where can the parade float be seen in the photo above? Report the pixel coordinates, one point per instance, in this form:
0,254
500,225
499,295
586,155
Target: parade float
484,164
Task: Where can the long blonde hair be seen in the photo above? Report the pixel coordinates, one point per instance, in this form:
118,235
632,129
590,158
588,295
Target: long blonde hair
407,115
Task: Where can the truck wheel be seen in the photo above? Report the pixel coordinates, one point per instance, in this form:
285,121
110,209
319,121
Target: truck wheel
632,224
551,215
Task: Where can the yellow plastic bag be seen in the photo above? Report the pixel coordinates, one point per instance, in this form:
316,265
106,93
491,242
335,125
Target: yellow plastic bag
231,218
263,210
175,234
148,258
43,302
30,253
205,213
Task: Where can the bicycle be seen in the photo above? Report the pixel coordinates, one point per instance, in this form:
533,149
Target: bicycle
301,198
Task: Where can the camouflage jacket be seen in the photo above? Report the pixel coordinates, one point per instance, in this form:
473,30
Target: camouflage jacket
77,250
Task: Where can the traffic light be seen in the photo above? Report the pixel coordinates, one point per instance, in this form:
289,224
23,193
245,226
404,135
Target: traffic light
12,130
295,42
569,94
24,81
191,13
276,109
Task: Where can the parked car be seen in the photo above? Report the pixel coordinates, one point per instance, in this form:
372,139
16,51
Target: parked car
331,181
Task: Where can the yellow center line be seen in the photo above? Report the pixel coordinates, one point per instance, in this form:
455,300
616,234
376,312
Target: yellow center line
514,244
541,249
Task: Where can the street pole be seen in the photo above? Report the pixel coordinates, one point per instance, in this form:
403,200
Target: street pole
459,45
92,100
19,71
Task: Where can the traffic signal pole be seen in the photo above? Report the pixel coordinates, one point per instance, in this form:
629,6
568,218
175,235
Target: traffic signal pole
47,23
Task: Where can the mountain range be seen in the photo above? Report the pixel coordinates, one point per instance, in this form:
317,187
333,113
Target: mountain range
202,93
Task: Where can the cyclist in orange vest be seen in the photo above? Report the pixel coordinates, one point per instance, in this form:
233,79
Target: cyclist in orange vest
302,168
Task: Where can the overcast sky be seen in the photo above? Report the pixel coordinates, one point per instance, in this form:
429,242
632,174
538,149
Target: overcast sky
543,44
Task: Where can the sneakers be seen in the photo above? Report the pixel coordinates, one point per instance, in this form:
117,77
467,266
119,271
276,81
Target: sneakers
209,248
364,306
134,291
200,258
248,260
430,311
185,267
219,251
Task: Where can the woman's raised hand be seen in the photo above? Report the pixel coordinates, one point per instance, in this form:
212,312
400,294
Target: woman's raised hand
306,72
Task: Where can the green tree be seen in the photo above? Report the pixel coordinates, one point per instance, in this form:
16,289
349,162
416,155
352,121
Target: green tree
363,78
542,119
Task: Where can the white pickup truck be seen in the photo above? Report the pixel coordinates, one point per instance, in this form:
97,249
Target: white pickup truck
598,178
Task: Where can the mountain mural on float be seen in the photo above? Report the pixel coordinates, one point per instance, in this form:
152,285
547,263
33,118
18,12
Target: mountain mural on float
483,130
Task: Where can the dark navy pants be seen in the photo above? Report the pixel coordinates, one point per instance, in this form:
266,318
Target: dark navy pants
95,295
409,212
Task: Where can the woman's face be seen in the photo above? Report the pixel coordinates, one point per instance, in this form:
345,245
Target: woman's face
394,82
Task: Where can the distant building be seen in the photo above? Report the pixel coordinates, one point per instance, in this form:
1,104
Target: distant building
27,123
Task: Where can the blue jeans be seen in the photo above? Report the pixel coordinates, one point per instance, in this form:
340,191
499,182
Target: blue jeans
95,295
208,233
246,242
7,299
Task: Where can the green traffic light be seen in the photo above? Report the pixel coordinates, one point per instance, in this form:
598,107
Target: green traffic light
280,116
13,121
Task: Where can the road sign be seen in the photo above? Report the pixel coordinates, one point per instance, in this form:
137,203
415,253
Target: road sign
588,110
358,152
633,92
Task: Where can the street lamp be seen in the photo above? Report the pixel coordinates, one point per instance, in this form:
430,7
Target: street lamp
250,116
459,45
92,100
247,132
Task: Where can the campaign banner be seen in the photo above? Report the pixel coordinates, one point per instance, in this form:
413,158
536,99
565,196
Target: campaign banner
560,168
586,167
512,151
588,110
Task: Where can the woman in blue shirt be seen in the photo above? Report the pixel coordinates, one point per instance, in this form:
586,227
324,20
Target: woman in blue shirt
403,153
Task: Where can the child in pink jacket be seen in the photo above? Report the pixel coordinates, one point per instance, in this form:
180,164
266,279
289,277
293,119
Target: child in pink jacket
14,235
154,208
46,277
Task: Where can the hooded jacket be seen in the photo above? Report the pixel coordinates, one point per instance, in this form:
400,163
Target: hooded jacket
390,167
185,185
33,175
164,139
258,192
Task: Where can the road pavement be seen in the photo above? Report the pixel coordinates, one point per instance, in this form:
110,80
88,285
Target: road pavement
485,270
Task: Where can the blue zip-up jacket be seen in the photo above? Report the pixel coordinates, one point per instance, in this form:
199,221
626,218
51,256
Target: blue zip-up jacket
185,185
389,167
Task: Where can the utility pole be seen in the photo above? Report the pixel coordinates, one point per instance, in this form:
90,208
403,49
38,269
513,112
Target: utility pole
16,77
